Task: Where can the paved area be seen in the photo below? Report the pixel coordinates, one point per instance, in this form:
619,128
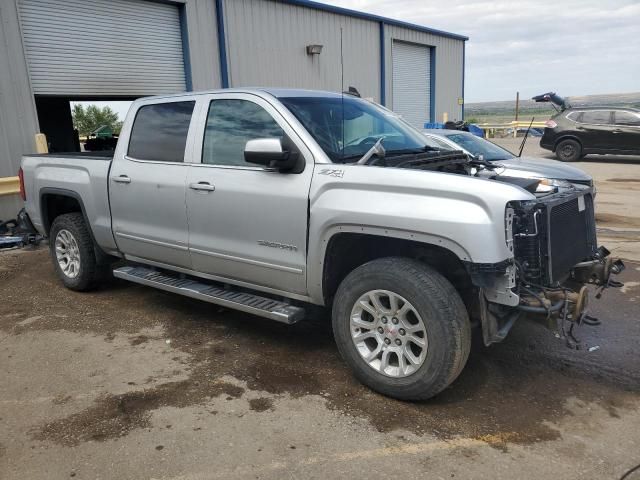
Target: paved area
132,383
129,382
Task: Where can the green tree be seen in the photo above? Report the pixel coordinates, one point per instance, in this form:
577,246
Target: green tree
86,120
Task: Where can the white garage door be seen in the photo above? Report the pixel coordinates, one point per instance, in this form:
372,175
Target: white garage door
412,82
103,47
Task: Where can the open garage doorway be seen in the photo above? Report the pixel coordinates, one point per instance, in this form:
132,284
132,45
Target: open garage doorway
94,132
103,50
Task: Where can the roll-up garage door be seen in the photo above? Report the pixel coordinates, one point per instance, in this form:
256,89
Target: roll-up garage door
412,82
103,47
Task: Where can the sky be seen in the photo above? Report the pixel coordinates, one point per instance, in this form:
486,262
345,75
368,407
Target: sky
572,47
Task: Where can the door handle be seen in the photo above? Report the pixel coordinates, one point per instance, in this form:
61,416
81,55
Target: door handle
121,179
616,131
202,186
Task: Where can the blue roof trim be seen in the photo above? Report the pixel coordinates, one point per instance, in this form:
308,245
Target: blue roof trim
375,18
222,45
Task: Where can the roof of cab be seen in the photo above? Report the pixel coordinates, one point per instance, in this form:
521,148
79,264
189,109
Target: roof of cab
275,92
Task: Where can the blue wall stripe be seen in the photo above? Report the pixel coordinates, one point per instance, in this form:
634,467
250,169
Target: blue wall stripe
383,75
222,45
464,59
186,54
432,86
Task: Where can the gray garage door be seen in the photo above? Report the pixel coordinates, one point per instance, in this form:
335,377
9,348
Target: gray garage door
412,82
102,47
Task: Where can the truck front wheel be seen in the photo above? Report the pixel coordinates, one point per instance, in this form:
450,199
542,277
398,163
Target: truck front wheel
401,327
73,253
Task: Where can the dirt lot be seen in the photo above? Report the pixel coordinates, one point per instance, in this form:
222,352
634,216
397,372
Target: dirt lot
129,382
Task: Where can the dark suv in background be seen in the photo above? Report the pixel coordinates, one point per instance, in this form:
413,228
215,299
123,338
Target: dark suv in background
579,131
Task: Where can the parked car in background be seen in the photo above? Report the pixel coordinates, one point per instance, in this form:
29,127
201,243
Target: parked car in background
551,171
579,131
521,132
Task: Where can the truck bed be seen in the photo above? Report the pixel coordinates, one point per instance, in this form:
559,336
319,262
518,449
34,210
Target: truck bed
82,175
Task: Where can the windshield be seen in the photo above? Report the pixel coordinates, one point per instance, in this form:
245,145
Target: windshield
477,146
346,128
436,142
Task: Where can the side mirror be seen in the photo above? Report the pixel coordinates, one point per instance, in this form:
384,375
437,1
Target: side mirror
272,153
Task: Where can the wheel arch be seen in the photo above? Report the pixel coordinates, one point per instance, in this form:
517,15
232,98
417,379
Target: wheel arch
567,137
59,201
346,250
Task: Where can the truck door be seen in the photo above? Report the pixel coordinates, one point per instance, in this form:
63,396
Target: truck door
147,184
627,130
247,223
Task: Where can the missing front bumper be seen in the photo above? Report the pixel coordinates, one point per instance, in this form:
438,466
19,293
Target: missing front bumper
563,306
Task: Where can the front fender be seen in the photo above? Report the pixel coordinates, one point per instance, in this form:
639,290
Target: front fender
464,214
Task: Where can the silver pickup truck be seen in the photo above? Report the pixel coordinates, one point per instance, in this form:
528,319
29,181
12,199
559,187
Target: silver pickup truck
274,201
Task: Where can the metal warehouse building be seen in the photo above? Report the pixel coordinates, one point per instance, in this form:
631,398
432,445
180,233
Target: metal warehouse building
55,51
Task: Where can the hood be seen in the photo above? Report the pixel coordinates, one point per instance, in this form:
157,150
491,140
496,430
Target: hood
543,168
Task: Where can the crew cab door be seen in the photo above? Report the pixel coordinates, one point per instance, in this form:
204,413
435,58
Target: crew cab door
626,127
247,223
147,184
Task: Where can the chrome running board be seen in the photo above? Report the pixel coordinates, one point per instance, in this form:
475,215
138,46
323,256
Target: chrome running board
225,297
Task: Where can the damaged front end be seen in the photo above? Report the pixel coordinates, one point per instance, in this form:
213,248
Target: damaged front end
555,257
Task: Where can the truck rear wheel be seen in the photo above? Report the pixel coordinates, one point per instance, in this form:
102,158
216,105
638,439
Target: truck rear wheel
73,253
401,327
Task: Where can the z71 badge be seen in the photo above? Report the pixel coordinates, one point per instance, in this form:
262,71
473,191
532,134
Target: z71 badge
332,172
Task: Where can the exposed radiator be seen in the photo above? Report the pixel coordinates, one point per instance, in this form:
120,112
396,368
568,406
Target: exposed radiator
566,236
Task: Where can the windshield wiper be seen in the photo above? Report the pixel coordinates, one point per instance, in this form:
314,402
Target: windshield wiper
409,151
377,149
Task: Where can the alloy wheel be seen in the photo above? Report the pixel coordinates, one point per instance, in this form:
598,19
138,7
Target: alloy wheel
388,333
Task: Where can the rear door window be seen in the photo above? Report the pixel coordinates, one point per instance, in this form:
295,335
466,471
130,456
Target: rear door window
160,131
597,117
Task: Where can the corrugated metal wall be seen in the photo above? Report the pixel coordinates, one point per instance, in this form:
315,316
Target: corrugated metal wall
203,44
266,43
448,68
93,47
18,122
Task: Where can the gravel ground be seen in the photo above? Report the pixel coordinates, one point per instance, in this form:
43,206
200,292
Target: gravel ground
129,382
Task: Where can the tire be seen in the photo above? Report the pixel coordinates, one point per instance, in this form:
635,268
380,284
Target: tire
69,235
434,304
568,150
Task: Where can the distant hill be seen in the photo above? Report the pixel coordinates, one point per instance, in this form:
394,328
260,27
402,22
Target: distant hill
504,111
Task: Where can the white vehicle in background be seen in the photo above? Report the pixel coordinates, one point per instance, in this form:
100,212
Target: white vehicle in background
551,172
